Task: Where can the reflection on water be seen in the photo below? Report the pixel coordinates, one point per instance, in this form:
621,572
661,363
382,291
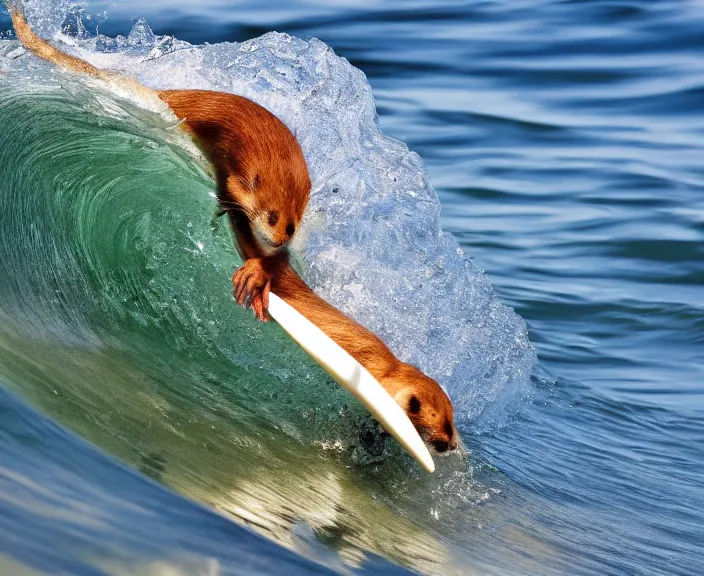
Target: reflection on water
67,508
287,505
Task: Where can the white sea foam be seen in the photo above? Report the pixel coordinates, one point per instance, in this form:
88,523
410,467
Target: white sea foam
371,241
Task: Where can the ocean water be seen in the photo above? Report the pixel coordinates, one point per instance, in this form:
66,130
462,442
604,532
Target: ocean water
149,426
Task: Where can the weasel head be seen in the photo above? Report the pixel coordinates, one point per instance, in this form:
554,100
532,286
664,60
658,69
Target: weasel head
427,406
269,182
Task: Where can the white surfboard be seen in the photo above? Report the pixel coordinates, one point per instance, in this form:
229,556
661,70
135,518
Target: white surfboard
351,375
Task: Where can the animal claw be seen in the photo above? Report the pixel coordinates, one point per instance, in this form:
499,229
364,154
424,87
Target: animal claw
251,288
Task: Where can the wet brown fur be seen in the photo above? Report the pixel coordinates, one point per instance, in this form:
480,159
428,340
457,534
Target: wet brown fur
262,177
411,389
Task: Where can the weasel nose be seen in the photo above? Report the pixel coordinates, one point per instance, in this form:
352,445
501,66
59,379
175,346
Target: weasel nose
440,445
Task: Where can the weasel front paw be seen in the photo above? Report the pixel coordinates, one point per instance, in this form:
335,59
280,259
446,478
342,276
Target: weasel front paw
251,284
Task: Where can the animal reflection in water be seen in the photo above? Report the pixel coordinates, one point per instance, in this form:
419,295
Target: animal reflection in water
316,507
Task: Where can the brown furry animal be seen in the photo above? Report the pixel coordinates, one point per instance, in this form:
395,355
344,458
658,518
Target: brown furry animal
422,398
262,177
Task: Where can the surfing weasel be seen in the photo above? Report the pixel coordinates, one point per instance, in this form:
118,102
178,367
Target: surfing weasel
264,186
424,401
262,178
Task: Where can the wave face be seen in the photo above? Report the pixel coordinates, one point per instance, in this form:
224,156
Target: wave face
116,316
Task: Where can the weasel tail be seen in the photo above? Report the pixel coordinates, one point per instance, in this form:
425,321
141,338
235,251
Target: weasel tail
47,52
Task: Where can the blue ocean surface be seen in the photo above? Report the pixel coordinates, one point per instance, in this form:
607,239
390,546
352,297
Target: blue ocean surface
148,426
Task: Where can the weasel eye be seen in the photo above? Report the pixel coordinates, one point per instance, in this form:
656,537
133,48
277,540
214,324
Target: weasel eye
414,405
273,217
290,229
